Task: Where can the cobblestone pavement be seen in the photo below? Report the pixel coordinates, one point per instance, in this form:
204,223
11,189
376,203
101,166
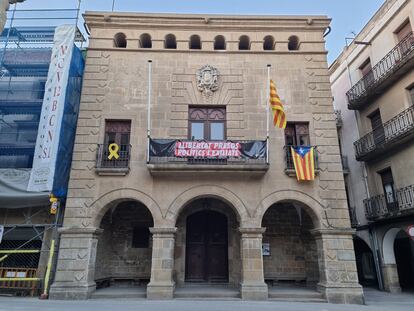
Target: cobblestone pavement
377,301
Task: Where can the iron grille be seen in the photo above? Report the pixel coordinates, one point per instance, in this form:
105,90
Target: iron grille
394,60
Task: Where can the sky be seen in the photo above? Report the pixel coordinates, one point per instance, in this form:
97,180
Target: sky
347,15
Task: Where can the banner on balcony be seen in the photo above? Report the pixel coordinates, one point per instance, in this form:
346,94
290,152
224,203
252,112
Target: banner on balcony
51,118
207,149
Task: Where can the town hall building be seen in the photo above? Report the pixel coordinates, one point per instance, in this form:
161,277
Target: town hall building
176,180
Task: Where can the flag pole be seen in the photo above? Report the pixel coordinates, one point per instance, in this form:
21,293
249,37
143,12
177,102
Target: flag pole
268,113
149,109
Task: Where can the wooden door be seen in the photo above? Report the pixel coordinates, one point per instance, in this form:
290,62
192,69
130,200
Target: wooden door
377,128
206,247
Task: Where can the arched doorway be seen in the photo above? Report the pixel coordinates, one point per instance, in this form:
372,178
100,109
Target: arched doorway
207,246
124,249
404,258
367,275
290,255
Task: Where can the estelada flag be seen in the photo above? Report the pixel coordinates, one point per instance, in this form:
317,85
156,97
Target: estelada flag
303,159
279,116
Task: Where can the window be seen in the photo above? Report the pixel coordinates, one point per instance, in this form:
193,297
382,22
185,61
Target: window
367,73
145,41
170,42
366,67
207,123
117,131
244,43
293,43
140,237
403,31
377,127
268,43
388,186
411,93
297,134
120,40
195,42
219,43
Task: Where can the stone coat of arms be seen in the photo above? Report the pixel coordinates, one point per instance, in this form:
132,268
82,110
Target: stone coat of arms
207,79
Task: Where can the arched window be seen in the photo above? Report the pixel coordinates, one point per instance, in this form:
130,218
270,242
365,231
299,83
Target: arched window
120,40
244,43
145,41
170,42
219,43
268,43
195,42
293,44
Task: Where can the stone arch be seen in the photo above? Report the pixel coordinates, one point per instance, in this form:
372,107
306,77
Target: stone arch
388,246
313,207
112,198
207,191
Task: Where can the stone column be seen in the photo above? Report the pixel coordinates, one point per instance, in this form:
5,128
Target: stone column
391,279
338,277
253,286
162,285
75,271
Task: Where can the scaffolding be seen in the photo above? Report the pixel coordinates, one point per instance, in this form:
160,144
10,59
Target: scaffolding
25,55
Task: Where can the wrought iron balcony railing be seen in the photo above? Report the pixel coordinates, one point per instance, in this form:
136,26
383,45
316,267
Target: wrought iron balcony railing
353,217
338,118
395,204
290,166
105,163
384,73
393,132
187,155
345,165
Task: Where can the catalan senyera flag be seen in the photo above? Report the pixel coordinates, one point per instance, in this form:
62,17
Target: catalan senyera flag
279,116
303,159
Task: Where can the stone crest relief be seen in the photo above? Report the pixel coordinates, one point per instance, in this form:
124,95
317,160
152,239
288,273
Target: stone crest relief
207,80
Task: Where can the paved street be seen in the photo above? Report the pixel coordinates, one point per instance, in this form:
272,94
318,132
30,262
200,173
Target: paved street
377,301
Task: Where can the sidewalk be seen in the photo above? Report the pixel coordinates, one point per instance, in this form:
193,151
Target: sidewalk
378,301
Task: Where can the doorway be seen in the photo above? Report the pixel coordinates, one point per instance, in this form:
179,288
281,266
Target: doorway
206,247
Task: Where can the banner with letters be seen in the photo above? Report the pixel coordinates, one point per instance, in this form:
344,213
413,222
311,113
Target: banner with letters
51,118
208,149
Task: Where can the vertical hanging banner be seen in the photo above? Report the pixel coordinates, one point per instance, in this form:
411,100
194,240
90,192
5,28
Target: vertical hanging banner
50,125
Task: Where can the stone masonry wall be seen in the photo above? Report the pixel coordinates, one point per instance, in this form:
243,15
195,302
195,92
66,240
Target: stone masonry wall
116,258
293,251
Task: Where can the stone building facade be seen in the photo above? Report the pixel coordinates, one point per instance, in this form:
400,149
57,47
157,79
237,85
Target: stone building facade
173,221
373,87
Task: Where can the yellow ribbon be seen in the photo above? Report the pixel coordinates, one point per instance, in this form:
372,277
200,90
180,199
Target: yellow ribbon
113,151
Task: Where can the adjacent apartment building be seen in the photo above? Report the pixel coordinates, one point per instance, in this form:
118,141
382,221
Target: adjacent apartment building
174,180
373,87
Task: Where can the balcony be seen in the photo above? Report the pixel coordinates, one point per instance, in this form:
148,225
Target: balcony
389,69
381,207
168,156
345,165
353,217
290,166
107,165
338,118
392,134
